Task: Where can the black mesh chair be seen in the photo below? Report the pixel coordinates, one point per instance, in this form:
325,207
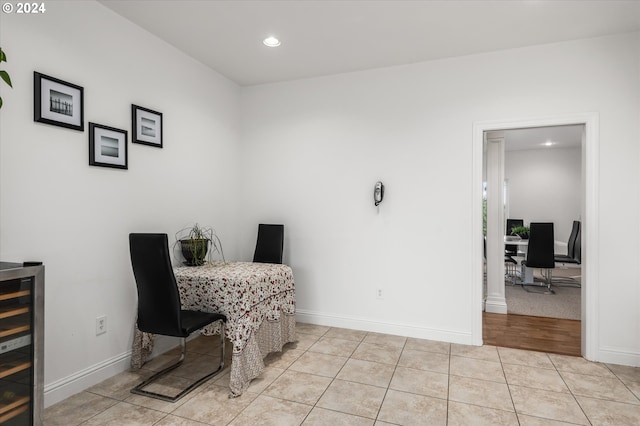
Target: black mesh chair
540,254
510,249
159,308
270,244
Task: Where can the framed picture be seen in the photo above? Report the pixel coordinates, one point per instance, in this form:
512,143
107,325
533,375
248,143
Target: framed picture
146,126
107,146
57,102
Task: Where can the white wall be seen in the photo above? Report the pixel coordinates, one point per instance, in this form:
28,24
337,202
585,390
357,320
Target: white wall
545,185
75,218
314,148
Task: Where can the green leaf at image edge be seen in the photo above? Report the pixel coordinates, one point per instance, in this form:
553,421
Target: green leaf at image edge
3,57
5,77
0,102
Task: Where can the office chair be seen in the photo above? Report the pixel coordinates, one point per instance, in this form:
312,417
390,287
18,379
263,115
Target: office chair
573,256
540,254
159,308
510,249
270,244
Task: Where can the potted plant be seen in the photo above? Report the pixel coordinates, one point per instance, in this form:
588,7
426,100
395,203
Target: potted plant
195,242
3,74
521,231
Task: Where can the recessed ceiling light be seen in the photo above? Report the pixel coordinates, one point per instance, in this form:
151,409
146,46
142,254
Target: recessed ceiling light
548,143
271,42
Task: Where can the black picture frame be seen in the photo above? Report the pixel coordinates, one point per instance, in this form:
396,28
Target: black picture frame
146,126
107,146
57,102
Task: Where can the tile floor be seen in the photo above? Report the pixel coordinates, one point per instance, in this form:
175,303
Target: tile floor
335,376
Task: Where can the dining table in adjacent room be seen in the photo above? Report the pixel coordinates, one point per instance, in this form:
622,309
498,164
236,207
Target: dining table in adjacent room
258,300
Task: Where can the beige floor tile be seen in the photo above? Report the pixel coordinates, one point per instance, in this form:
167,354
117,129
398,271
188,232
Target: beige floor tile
321,417
420,382
298,387
268,375
213,406
421,360
125,414
523,357
534,377
460,414
319,364
366,372
204,345
385,340
346,334
333,346
486,353
400,408
76,409
352,398
304,342
428,345
304,328
476,368
625,373
579,365
265,410
599,387
164,406
480,392
119,386
282,359
611,413
547,404
377,353
196,366
537,421
171,420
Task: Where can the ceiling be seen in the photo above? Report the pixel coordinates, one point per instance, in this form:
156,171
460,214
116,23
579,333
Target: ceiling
537,137
327,37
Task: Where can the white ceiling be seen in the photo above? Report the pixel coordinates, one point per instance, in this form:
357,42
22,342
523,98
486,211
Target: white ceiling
536,137
328,37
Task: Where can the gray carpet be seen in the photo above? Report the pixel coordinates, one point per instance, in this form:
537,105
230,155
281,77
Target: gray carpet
564,304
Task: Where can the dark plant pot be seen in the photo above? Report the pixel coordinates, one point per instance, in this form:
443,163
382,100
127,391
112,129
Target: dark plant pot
194,250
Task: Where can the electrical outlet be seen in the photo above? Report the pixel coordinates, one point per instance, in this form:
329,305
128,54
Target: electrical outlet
379,294
101,325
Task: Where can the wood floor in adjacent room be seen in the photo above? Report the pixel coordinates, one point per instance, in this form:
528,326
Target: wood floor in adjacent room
552,335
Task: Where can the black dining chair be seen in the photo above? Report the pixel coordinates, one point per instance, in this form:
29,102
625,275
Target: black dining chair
540,254
159,307
573,256
270,243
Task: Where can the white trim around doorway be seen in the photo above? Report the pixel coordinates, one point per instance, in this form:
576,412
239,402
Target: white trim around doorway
590,266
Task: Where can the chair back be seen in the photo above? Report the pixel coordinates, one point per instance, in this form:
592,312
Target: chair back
270,244
540,249
577,251
158,296
575,231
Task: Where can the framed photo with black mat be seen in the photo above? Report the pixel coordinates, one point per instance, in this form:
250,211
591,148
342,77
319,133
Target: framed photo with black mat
57,102
146,126
107,146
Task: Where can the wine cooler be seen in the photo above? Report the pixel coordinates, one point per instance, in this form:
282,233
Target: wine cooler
21,343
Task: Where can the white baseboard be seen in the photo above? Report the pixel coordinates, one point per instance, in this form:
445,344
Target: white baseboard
77,382
620,356
395,328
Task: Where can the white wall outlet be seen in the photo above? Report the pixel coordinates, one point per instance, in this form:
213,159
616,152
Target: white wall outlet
101,325
379,294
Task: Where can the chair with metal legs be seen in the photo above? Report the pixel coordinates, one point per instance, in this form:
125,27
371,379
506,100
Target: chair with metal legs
540,255
573,256
159,307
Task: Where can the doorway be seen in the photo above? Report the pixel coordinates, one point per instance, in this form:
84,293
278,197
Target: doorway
589,162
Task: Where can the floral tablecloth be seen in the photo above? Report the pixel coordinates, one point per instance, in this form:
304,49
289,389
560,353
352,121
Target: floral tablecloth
259,302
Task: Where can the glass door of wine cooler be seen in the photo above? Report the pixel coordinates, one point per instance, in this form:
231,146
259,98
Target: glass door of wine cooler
20,392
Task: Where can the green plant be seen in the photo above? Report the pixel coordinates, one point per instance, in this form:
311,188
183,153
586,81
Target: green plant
521,231
194,242
3,74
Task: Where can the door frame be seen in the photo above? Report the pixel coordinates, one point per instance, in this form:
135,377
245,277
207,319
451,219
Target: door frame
589,226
